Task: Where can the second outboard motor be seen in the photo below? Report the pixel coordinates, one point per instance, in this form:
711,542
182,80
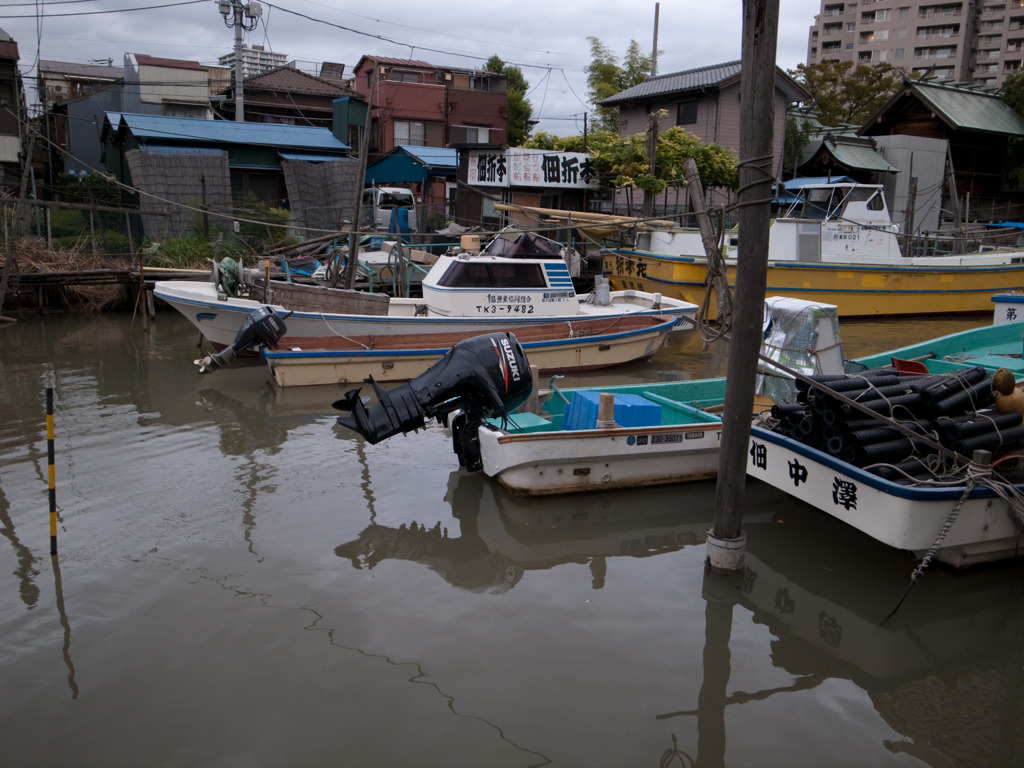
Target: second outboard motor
483,377
262,327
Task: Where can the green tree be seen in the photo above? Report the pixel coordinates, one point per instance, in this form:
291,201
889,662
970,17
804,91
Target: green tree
843,93
520,111
798,133
605,78
622,161
1013,94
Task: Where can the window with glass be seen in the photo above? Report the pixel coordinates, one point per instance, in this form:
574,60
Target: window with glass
410,133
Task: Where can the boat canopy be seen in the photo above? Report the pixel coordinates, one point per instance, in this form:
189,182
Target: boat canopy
524,245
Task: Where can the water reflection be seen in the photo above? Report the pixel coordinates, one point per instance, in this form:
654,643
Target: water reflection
501,536
65,624
945,672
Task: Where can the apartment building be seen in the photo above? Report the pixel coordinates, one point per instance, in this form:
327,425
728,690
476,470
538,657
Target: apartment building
975,42
255,60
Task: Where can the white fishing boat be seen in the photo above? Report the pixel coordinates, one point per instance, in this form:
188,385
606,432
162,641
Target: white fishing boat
580,345
834,243
926,491
520,279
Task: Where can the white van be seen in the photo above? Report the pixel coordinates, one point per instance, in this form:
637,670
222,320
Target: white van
380,203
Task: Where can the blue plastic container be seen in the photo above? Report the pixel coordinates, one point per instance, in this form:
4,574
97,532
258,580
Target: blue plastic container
630,411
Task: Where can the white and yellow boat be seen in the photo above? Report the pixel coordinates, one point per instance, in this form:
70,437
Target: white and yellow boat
837,244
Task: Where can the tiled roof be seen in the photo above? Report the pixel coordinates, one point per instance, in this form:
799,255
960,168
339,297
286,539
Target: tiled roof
857,153
154,61
677,82
970,109
293,81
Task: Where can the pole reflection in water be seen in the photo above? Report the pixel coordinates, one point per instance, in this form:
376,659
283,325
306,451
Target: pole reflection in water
58,589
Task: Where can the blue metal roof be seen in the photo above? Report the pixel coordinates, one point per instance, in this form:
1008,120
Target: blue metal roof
436,156
310,157
405,164
172,129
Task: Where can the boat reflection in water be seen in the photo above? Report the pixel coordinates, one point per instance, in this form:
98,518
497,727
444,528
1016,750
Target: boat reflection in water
502,536
945,670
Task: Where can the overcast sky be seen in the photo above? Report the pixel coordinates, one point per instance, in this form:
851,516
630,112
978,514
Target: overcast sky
547,40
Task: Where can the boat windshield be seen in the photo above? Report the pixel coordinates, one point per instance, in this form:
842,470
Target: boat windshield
524,245
478,274
825,203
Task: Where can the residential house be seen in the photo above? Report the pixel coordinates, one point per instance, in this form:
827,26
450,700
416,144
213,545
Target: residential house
415,103
61,81
286,95
169,87
185,167
704,101
12,114
74,98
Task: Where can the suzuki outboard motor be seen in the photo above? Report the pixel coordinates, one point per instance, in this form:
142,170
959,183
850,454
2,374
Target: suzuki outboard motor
263,327
483,377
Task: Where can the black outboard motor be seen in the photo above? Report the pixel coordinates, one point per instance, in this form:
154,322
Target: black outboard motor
263,327
483,377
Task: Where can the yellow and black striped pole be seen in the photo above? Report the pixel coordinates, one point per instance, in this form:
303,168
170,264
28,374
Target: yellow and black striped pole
52,470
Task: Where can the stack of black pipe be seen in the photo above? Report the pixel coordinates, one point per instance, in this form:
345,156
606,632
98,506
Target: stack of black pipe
953,409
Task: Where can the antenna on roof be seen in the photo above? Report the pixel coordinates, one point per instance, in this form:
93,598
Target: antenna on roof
108,61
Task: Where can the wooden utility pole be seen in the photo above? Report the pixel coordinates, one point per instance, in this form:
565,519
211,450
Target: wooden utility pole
719,280
726,539
352,263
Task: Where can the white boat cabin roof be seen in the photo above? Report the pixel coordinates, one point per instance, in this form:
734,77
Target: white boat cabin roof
825,202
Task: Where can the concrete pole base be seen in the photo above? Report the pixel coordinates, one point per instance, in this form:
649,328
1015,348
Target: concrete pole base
726,555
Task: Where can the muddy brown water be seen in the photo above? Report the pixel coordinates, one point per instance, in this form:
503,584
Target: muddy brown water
241,582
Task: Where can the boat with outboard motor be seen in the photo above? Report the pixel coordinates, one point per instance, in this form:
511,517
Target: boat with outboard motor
834,243
519,279
892,453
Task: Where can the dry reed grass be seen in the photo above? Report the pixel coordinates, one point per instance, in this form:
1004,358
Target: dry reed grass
34,256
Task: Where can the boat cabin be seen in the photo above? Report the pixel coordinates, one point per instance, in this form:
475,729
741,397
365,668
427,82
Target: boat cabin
516,274
835,222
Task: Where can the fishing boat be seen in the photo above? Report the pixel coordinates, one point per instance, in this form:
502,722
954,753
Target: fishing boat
602,438
519,279
568,346
836,244
891,452
925,458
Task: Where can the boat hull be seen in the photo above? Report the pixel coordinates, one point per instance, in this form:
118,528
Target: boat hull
536,464
220,320
857,290
907,518
297,367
